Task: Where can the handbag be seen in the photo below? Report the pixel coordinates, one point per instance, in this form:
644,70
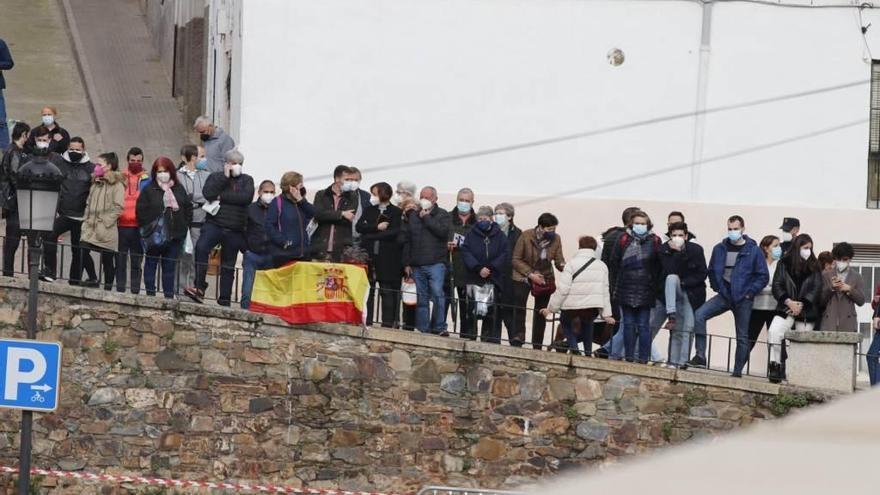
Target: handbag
156,234
543,290
483,297
408,293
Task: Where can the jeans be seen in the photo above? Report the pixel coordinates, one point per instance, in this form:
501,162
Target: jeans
4,129
187,272
168,257
252,262
742,312
585,317
429,289
614,346
231,243
873,359
636,325
776,333
10,245
130,246
50,248
679,339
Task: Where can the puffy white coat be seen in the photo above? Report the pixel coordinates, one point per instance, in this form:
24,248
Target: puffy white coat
589,289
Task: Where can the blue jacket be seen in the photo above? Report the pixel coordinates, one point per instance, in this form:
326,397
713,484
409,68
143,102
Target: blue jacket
286,223
485,250
6,62
749,275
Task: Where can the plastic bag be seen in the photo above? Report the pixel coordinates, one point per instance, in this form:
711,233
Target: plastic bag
408,293
212,208
188,243
483,297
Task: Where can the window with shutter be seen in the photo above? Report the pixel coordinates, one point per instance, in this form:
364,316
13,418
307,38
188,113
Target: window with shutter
874,139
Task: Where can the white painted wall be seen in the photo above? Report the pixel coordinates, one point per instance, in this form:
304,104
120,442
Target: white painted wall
387,82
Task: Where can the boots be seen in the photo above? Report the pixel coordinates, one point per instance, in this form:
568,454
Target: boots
774,372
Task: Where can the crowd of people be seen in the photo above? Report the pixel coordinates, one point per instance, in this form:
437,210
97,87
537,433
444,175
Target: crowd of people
618,291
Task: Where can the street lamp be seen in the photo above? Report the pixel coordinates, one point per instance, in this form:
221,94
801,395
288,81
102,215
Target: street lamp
37,185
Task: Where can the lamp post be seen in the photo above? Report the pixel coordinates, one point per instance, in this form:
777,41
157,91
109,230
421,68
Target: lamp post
37,185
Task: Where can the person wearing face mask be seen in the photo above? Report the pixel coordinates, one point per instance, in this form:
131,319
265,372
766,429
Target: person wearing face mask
463,220
797,287
12,160
484,253
130,249
842,290
737,273
193,181
77,169
403,197
513,317
790,229
335,209
764,307
59,138
614,346
379,228
363,204
424,233
234,190
534,255
287,219
216,142
163,205
684,284
105,204
635,273
258,255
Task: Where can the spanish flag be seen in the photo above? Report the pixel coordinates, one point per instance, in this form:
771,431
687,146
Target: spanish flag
305,292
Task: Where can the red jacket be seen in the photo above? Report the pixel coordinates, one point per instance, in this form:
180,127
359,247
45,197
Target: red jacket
134,184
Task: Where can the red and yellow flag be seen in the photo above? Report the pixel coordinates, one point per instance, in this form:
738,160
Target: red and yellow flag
305,292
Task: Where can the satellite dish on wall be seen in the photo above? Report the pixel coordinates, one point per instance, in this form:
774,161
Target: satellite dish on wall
615,56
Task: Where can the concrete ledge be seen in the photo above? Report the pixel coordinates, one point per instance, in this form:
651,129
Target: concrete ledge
850,338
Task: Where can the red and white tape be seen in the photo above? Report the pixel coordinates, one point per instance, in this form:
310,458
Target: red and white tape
220,485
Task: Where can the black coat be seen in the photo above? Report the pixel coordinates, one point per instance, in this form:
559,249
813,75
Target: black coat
485,250
424,239
12,160
383,247
808,291
690,266
331,223
235,195
151,204
257,238
636,286
59,140
507,285
75,186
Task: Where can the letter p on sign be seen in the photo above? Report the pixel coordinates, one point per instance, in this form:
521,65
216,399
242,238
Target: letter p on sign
31,373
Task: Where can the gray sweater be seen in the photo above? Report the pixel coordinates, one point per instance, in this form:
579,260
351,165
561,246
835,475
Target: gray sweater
215,149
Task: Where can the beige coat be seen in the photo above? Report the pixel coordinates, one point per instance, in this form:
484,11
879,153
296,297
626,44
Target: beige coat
105,203
840,308
527,256
588,290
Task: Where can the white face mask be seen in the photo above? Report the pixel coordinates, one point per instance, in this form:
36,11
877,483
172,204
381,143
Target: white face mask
806,252
43,145
426,204
374,200
235,170
786,237
267,197
163,177
841,265
350,185
677,241
48,120
395,200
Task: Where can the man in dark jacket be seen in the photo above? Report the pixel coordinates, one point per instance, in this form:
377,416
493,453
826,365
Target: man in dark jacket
234,192
507,310
425,233
335,209
737,272
684,279
13,159
6,63
77,168
484,253
463,220
258,255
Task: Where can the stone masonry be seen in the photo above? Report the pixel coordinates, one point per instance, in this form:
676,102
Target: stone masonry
174,389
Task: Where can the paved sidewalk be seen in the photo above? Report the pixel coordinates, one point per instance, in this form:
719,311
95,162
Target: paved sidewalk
45,71
129,88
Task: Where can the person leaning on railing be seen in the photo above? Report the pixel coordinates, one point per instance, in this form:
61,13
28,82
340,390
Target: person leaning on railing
286,221
484,253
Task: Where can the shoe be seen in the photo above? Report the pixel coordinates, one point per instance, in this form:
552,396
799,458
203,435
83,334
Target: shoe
46,278
736,374
774,372
601,353
194,293
91,284
444,333
697,362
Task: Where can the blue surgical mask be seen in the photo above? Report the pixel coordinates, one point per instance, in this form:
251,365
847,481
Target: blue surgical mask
202,164
501,219
464,207
548,236
734,235
776,252
639,229
484,225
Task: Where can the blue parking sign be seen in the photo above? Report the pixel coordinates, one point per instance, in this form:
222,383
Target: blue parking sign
30,372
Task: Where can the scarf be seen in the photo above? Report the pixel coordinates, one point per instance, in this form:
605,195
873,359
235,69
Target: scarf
170,200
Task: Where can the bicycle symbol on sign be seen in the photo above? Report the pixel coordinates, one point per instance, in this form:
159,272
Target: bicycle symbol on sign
37,397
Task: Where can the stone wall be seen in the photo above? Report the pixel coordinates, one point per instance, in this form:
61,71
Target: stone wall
180,390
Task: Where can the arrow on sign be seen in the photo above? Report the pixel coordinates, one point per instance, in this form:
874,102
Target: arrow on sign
44,387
